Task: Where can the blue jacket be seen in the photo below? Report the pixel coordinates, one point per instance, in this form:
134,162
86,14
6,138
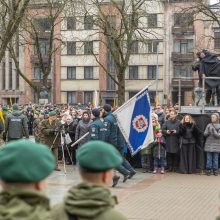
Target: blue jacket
97,130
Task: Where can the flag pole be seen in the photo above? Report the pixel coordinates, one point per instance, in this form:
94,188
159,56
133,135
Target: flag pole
146,87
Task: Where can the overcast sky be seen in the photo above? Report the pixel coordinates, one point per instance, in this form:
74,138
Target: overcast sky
214,1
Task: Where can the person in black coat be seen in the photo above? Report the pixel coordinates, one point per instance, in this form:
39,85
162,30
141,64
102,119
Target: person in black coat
188,132
170,130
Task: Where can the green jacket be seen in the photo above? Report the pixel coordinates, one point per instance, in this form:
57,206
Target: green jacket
24,204
88,202
97,130
48,134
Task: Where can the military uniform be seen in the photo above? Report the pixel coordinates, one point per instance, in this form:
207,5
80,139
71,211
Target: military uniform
16,200
90,201
97,130
48,134
36,129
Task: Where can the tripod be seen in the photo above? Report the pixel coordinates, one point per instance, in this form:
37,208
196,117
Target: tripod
63,147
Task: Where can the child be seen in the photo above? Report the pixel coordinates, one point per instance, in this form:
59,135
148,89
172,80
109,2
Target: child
159,152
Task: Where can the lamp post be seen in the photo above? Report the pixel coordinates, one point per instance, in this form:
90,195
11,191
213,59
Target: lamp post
157,78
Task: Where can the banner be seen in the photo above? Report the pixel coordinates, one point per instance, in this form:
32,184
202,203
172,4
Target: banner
135,123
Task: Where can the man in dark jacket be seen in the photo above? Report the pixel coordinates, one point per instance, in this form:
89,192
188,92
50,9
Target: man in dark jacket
160,113
97,129
16,125
92,199
24,167
114,137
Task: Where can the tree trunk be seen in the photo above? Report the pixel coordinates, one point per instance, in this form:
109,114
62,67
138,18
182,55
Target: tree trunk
121,90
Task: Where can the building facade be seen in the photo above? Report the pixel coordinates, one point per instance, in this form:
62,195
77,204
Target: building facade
77,77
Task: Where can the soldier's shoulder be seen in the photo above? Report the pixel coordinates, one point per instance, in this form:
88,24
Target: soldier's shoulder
110,214
58,212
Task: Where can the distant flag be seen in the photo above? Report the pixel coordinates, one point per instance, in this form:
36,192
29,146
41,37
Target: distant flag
11,101
157,100
96,101
114,104
135,123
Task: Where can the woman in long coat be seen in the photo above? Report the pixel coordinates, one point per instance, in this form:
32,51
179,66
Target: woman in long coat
188,132
170,130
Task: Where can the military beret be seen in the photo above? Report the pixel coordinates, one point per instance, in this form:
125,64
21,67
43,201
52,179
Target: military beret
52,113
107,107
96,112
4,108
98,156
25,162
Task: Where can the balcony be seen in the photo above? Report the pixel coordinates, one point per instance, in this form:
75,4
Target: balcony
186,30
186,84
35,59
182,57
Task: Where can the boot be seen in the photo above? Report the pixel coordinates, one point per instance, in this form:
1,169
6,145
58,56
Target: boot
115,180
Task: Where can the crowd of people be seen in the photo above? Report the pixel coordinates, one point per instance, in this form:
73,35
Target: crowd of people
177,147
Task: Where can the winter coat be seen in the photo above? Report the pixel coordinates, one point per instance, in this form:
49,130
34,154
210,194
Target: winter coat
16,125
212,134
111,125
188,133
172,140
87,202
161,118
71,129
158,148
48,134
36,129
97,130
81,129
24,204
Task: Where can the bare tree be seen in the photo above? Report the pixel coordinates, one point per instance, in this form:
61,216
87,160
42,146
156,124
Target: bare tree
11,15
121,24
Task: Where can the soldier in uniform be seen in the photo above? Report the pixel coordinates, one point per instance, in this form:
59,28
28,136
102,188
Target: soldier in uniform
96,128
49,130
36,125
92,199
24,167
16,125
114,137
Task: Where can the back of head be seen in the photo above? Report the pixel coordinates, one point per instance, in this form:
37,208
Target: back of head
25,162
107,107
15,107
96,112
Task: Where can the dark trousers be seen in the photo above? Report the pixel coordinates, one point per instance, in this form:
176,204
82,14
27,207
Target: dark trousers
172,161
146,162
210,94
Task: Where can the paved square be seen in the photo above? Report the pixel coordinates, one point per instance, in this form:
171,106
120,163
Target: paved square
154,197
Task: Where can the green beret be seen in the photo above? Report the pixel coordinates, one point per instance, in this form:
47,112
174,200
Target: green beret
4,108
98,156
25,162
52,113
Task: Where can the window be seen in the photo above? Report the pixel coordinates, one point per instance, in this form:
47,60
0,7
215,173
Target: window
44,46
71,48
183,19
110,63
152,96
88,22
133,72
182,71
152,72
88,47
10,75
110,83
133,21
71,23
152,20
132,93
217,39
71,97
42,24
3,75
17,80
38,73
134,47
183,46
71,72
88,72
88,97
152,46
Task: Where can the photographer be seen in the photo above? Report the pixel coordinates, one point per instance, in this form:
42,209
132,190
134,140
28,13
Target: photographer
49,128
170,130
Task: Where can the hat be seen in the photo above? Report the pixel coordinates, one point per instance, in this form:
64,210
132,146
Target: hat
52,113
15,107
25,162
107,107
96,112
4,108
98,156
